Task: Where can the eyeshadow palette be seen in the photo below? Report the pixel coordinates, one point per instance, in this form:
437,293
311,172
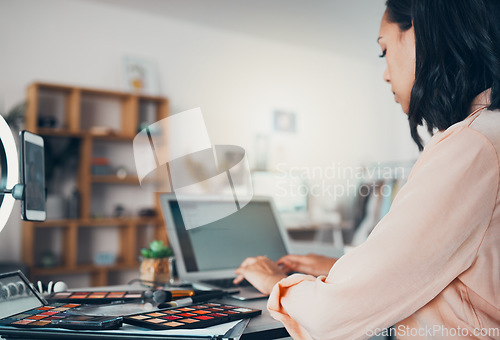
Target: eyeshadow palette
191,316
41,316
22,306
96,297
59,315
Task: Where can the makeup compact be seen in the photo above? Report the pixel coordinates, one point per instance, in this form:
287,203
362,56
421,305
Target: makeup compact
22,306
191,316
90,297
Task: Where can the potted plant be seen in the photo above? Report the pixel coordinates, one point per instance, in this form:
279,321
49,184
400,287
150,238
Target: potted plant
156,262
15,117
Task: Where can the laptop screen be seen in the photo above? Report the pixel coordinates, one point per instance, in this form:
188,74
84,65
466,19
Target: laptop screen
224,244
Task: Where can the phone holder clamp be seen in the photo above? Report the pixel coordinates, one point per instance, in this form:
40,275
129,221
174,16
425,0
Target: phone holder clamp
17,191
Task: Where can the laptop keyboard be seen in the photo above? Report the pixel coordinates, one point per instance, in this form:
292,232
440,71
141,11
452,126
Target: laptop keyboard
226,283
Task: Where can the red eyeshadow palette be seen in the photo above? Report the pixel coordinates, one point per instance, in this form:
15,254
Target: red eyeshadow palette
40,317
96,297
22,306
195,316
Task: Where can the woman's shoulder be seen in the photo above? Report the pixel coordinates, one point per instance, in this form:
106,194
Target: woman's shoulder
481,129
487,123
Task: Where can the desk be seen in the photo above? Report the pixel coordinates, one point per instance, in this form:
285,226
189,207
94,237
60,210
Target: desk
259,327
262,326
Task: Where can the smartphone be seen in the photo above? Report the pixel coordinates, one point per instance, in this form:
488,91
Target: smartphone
89,322
32,168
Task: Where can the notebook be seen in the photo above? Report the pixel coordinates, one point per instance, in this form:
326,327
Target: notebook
208,254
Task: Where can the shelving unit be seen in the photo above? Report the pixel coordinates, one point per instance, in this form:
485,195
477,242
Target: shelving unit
76,111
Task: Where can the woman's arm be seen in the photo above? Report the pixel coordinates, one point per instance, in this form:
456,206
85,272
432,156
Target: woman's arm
263,273
308,264
430,236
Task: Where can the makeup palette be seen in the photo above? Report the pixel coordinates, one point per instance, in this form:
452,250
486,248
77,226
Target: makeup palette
22,306
40,317
90,297
191,316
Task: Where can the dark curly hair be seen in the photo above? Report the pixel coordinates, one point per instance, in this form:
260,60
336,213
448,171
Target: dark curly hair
457,45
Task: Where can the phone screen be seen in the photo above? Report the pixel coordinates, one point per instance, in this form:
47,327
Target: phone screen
33,174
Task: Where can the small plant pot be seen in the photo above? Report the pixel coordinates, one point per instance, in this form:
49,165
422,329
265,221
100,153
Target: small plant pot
157,270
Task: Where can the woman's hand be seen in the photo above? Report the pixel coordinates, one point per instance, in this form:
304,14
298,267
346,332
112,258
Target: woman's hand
261,272
308,264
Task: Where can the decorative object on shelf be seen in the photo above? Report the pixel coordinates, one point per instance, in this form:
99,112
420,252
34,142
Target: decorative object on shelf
47,122
15,117
119,210
156,263
121,172
141,75
74,205
55,206
102,130
100,166
147,212
48,259
105,259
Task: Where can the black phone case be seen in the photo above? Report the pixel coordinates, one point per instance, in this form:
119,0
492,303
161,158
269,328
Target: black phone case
21,171
89,322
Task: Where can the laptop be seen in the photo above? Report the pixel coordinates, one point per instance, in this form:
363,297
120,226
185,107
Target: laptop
208,255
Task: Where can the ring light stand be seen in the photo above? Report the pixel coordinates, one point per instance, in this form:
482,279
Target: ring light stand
9,169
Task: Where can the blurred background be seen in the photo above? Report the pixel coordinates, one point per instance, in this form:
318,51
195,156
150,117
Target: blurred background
297,84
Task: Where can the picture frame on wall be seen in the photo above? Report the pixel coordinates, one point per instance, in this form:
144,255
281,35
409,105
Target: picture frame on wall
285,121
141,75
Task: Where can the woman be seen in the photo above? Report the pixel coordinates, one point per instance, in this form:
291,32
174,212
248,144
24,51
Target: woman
432,265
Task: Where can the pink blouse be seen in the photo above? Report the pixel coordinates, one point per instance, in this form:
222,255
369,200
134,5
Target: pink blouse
431,265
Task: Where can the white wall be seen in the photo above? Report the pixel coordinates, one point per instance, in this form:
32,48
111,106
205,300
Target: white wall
345,112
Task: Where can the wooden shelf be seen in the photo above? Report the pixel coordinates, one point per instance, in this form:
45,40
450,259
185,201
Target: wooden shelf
98,92
98,222
149,220
113,137
118,266
53,87
118,221
82,268
112,179
73,101
54,223
63,133
60,133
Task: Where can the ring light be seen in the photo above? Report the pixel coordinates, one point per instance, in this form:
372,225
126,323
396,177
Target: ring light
9,170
